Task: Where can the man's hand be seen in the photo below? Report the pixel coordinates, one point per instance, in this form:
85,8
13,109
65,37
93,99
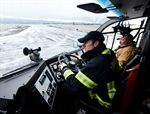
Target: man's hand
62,65
77,56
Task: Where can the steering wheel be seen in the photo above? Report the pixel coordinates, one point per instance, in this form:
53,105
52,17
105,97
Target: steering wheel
66,58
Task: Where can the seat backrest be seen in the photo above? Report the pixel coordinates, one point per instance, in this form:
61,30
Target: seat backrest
145,45
133,87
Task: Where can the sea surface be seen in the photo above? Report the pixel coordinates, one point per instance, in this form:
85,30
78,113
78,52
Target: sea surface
51,39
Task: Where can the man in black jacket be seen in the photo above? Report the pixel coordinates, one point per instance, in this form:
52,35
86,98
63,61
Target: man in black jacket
96,82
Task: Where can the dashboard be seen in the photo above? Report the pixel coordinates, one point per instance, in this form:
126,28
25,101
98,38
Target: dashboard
36,86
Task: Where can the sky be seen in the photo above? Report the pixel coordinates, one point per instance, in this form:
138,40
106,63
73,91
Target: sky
48,10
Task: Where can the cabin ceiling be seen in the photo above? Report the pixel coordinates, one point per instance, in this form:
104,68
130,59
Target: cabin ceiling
133,8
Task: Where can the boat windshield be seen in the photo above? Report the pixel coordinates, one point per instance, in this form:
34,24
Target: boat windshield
52,26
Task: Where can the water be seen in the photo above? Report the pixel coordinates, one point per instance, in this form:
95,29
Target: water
52,41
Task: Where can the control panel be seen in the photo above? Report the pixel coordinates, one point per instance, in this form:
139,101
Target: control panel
47,87
70,60
56,71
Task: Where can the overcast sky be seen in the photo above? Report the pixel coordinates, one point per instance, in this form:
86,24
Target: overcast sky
48,9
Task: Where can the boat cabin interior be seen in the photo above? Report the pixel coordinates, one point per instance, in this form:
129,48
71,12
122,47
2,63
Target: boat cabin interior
36,88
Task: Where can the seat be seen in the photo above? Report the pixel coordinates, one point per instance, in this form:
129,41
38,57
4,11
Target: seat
135,81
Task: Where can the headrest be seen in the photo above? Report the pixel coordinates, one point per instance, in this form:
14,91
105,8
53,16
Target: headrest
145,45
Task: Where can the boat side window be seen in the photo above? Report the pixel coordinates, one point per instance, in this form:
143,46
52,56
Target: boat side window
135,25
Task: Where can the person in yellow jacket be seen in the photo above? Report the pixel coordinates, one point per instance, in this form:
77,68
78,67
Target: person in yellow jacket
126,50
